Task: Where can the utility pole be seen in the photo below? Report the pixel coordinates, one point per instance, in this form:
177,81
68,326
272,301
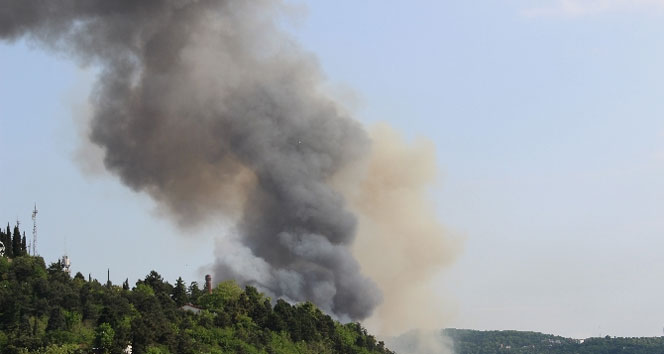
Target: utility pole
34,231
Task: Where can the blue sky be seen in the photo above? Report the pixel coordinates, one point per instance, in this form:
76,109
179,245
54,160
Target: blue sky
547,121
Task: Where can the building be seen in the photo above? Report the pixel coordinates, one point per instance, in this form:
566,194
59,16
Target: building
191,308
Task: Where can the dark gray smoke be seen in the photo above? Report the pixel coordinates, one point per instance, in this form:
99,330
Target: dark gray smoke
211,110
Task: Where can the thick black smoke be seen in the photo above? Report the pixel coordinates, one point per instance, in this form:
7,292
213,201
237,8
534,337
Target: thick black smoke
207,107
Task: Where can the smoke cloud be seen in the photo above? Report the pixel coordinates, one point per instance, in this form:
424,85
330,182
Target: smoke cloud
421,342
210,109
401,244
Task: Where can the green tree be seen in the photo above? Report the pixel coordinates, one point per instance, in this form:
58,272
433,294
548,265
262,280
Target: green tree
157,283
24,247
61,349
194,292
157,350
104,338
179,294
16,242
9,247
56,320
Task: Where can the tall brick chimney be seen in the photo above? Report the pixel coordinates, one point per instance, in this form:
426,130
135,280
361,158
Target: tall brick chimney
208,283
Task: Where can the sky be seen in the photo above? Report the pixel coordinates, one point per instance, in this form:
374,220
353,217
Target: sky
548,124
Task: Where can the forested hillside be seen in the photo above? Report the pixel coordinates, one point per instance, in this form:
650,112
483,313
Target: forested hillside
518,342
45,310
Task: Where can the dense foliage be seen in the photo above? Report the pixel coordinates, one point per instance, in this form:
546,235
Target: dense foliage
12,242
517,342
45,310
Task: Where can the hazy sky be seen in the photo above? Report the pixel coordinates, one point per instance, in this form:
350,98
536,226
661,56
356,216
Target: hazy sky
548,121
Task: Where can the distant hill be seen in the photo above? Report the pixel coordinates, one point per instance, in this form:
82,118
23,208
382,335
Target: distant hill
519,342
465,341
45,310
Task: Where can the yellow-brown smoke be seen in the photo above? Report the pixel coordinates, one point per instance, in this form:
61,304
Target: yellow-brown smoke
401,244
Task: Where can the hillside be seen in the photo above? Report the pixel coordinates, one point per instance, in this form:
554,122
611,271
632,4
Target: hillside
519,342
45,310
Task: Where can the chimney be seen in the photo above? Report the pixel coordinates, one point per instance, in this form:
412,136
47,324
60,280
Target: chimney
208,283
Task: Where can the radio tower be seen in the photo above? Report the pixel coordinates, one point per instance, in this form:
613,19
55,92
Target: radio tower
34,231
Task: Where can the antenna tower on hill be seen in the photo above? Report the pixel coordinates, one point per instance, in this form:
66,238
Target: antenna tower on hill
34,231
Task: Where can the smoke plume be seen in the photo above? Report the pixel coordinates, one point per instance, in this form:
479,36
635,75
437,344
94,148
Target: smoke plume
210,109
401,244
421,342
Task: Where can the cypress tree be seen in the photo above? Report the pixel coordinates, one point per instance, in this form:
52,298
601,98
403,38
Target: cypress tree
9,247
24,248
16,242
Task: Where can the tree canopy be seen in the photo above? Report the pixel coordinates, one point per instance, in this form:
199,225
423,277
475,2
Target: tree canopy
44,310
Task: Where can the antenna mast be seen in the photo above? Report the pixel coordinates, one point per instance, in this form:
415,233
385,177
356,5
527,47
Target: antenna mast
34,231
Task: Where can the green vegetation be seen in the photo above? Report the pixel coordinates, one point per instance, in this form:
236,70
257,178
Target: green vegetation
13,242
45,310
517,342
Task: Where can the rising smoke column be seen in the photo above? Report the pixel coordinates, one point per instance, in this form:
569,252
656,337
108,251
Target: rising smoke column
390,191
206,107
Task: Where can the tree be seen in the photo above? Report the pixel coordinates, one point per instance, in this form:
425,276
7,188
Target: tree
194,292
179,292
157,283
9,247
61,349
104,338
56,320
16,242
24,248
